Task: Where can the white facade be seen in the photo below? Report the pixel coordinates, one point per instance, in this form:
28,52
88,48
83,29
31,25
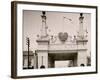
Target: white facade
62,47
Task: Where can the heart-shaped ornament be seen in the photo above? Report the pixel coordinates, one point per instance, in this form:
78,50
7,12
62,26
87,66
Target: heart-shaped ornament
63,36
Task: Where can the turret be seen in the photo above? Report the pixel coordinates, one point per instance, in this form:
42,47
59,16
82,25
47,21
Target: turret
81,37
44,26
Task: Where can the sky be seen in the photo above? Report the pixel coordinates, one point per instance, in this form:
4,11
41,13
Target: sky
32,24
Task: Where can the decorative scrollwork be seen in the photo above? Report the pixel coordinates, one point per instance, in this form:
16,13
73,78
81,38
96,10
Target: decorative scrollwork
53,39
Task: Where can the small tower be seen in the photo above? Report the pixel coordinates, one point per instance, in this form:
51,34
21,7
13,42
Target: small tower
81,31
81,37
43,43
44,26
81,44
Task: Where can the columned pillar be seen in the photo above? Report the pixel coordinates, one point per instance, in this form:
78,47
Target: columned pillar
82,58
42,59
42,53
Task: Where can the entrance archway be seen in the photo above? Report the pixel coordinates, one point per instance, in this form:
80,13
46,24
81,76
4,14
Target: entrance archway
59,59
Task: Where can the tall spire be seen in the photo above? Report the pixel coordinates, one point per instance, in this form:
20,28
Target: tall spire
44,26
81,30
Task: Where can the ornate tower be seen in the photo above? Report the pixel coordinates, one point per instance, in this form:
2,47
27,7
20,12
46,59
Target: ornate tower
81,37
43,43
81,43
81,30
44,26
81,25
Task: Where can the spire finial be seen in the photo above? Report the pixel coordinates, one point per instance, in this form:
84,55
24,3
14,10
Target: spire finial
81,14
43,12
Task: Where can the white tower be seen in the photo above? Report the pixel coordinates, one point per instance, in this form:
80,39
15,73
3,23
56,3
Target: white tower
43,42
81,44
81,37
81,30
44,26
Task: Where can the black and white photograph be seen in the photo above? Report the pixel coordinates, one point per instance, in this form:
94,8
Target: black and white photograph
53,39
56,39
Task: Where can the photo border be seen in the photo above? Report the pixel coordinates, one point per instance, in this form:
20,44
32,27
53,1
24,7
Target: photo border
14,37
